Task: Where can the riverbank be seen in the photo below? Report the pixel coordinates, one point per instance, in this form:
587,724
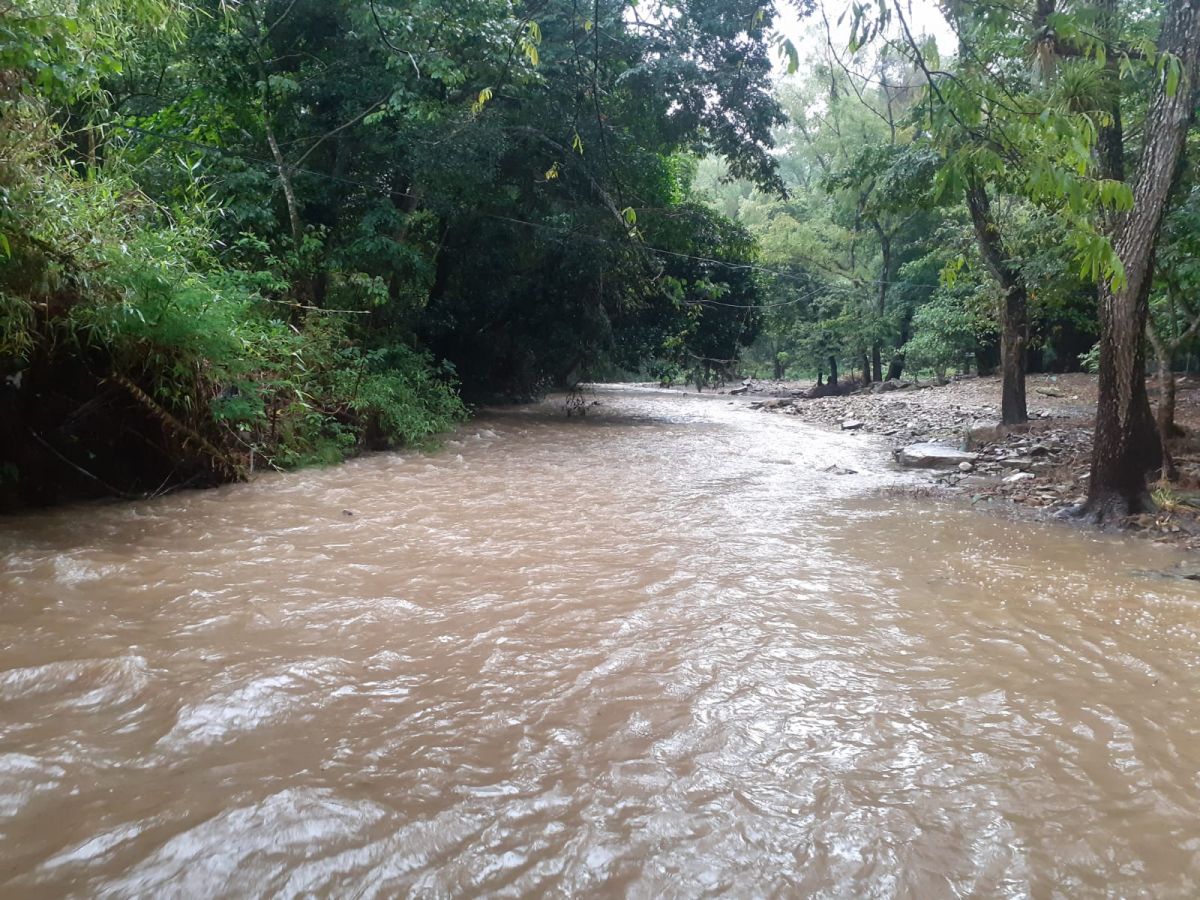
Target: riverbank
1036,469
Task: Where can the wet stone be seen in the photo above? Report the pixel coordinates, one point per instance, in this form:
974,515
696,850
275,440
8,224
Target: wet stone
933,456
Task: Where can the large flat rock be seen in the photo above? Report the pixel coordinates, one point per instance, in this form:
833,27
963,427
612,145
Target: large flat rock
933,456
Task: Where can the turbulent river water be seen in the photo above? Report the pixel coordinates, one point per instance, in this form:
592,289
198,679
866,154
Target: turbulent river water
657,651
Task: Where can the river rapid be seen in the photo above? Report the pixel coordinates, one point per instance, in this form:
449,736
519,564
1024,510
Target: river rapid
653,652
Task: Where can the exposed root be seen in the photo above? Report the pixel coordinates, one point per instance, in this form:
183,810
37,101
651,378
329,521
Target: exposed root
1110,510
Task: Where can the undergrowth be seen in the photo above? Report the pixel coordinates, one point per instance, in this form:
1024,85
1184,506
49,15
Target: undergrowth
224,360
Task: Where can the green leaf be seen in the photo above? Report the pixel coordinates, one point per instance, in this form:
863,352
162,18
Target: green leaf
793,56
1173,72
481,101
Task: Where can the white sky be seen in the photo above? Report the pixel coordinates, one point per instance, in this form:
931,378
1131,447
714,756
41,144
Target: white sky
809,34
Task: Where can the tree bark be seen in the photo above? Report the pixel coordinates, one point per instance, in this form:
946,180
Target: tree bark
1164,351
1166,388
1013,308
896,367
866,368
885,269
1127,443
833,372
289,192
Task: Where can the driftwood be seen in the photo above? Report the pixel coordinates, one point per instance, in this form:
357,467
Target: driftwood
221,461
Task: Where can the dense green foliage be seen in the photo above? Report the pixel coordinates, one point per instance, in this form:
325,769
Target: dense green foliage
273,232
880,259
270,232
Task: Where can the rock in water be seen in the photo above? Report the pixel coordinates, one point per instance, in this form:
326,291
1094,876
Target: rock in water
933,456
839,470
1181,572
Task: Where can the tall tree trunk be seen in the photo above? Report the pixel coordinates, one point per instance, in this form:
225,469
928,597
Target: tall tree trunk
284,172
1127,443
833,373
306,285
885,270
866,368
896,367
1013,308
1166,387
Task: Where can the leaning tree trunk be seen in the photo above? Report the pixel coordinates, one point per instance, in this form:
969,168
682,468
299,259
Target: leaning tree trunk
1127,444
1013,309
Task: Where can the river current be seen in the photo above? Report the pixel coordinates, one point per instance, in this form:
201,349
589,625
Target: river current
659,651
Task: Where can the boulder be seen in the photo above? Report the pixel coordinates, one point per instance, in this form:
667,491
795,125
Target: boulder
932,456
979,434
851,425
1019,476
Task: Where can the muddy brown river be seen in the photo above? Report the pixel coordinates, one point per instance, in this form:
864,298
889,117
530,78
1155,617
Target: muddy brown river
657,652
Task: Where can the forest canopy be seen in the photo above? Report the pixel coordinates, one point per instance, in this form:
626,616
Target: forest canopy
278,231
240,233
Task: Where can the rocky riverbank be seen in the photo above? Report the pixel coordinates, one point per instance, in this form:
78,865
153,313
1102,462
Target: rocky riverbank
949,431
